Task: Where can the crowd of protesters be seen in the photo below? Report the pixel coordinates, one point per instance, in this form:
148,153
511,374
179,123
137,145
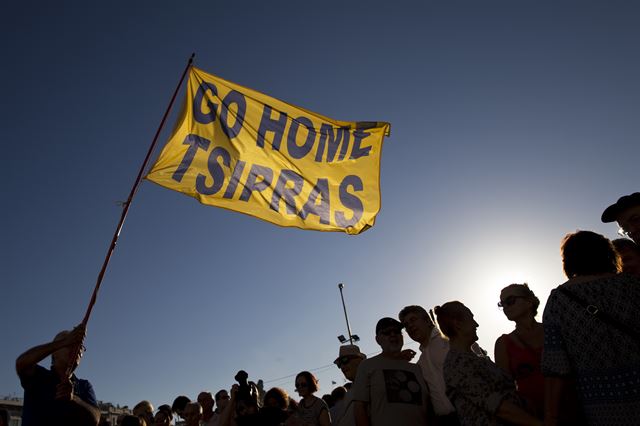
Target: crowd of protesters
580,365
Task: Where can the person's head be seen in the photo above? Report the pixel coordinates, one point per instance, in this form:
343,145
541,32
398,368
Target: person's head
130,420
389,336
276,398
144,410
339,393
192,414
205,399
456,321
328,399
179,405
587,253
61,358
293,406
164,416
222,399
349,358
629,255
417,322
246,407
518,301
625,211
306,384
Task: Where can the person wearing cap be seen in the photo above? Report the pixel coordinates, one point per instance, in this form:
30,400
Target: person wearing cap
56,395
349,358
388,390
625,211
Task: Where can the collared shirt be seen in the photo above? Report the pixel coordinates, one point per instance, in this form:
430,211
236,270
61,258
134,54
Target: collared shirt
431,362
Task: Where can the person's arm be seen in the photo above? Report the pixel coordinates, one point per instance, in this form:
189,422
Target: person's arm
501,355
324,418
515,415
227,415
360,413
554,388
556,365
26,363
64,392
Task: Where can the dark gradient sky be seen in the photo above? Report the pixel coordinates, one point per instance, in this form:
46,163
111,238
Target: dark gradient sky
513,123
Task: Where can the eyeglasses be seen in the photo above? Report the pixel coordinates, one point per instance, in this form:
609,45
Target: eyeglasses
301,385
344,360
509,301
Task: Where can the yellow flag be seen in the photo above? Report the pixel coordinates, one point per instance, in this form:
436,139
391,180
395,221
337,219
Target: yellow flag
245,151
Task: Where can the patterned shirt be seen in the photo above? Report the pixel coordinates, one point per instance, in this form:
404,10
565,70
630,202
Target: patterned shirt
311,414
477,387
604,360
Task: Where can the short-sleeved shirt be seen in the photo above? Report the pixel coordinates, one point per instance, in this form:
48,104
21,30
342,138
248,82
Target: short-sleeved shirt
604,360
394,389
40,406
477,387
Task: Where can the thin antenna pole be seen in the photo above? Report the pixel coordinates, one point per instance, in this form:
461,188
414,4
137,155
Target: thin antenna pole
341,286
125,209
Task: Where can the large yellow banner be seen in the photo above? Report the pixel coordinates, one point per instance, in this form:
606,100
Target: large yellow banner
242,150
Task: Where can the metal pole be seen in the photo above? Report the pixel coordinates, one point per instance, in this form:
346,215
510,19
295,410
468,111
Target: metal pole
341,286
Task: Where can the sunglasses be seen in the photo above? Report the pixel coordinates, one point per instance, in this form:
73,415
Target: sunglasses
390,332
301,385
344,360
509,301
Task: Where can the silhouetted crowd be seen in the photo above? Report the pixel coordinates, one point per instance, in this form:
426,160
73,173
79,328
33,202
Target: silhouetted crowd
580,366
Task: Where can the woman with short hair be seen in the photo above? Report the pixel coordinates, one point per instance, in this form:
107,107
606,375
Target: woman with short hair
311,409
592,335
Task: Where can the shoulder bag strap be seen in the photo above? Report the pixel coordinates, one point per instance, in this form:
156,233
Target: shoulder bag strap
596,312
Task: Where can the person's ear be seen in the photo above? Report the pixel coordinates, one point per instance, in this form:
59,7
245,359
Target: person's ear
457,325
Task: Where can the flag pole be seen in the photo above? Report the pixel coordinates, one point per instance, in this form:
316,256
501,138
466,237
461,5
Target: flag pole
127,204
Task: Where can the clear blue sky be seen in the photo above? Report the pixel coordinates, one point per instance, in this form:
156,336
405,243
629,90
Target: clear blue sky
513,123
